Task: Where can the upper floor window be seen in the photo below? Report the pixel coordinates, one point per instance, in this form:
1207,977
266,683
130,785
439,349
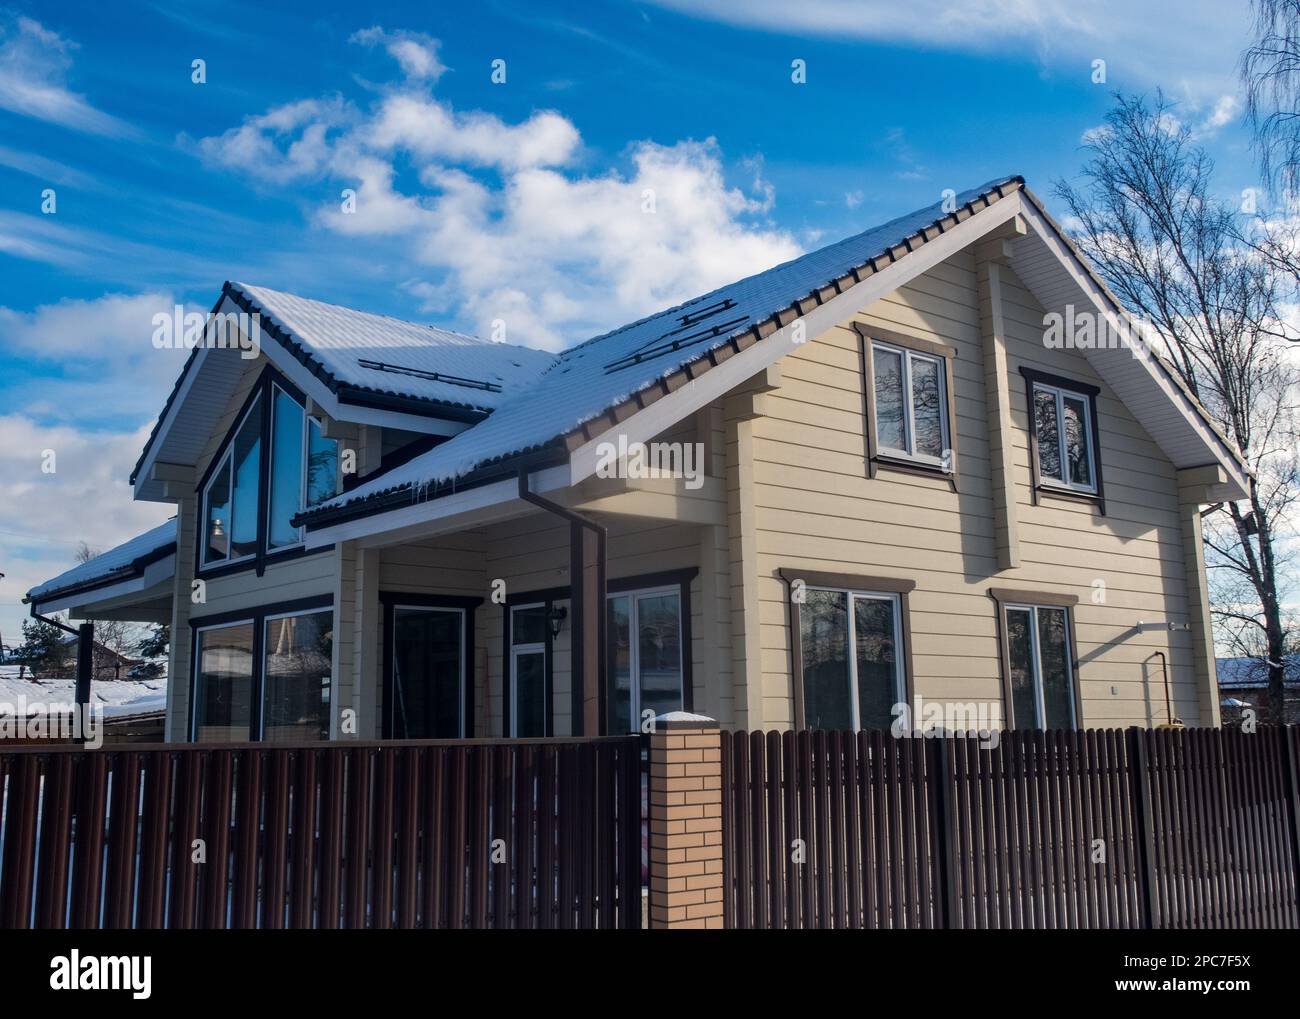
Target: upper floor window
244,515
1063,435
910,417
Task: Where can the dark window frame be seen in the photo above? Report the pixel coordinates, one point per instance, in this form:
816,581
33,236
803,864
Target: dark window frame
1086,391
388,601
257,563
1005,596
946,354
848,582
257,616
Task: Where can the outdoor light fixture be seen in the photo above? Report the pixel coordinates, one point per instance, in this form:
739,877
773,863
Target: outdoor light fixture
557,615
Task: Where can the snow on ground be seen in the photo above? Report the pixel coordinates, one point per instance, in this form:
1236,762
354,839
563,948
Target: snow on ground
115,696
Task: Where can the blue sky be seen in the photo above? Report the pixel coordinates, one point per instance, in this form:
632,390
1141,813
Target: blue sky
477,200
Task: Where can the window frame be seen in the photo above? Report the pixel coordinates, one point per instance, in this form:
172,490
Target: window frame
850,584
1006,599
944,354
390,601
1087,395
227,456
257,617
510,711
634,594
264,387
261,709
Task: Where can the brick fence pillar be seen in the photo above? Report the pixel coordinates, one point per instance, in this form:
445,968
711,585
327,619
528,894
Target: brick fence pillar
685,822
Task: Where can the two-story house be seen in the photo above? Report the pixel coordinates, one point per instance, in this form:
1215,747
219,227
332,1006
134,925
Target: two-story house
885,481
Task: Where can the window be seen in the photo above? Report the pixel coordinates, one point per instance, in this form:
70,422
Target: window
1063,447
302,469
428,673
297,669
646,670
1039,666
529,631
850,661
223,687
230,517
267,677
910,413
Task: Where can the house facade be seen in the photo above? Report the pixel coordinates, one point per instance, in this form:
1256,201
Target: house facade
867,477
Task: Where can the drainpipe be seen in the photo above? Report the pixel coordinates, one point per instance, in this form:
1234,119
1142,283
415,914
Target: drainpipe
85,634
577,565
1173,723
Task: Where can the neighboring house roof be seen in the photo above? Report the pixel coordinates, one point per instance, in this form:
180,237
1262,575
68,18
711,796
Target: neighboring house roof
1252,673
126,560
608,370
116,697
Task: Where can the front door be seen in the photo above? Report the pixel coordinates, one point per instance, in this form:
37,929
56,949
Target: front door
428,673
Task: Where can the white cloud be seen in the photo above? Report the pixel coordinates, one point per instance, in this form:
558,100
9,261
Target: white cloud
109,368
558,253
1186,45
34,62
415,52
43,516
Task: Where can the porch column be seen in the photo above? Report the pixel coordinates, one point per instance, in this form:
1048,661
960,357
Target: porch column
685,822
587,576
1193,485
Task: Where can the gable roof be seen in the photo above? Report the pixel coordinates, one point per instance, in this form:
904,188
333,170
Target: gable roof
126,560
637,363
371,360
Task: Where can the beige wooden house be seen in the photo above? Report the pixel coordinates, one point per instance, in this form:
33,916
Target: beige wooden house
882,481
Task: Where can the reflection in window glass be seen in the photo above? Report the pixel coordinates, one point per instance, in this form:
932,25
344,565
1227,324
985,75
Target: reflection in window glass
428,672
1020,656
217,545
1048,432
286,469
296,697
1054,654
824,637
877,661
322,465
530,694
246,460
1077,440
646,671
528,625
890,402
927,411
223,685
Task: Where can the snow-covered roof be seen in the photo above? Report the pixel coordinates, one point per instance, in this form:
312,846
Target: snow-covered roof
378,354
126,559
1252,673
606,370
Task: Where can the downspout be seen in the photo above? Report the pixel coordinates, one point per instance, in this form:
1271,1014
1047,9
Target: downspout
85,635
1173,723
602,541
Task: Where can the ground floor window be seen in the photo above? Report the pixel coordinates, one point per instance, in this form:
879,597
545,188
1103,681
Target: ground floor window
1039,666
529,651
266,677
645,643
851,665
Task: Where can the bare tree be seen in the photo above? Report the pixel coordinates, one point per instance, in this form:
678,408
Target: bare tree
1182,261
115,639
1270,71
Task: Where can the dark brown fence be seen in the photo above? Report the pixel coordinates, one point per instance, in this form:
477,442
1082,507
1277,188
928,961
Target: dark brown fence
1136,828
527,833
